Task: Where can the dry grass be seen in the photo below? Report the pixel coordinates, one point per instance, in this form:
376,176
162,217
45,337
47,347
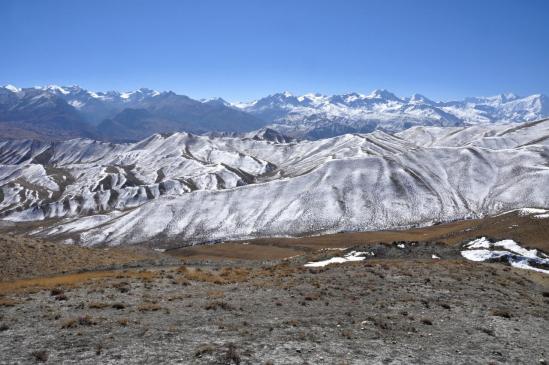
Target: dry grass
70,280
98,305
529,231
149,307
235,250
204,349
215,294
7,302
25,257
499,312
218,304
40,356
80,321
224,276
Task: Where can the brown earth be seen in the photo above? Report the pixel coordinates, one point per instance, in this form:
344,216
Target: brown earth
24,257
253,302
530,232
380,311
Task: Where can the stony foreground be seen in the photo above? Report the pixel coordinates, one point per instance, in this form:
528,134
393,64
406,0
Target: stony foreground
386,311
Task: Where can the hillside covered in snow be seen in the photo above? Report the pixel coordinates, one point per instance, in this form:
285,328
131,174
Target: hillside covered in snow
178,189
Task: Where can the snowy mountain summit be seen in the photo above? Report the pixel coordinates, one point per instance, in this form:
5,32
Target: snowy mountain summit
317,116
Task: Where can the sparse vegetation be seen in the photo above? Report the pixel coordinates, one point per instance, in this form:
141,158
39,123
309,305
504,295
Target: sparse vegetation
218,304
40,355
7,302
149,307
500,312
231,355
204,349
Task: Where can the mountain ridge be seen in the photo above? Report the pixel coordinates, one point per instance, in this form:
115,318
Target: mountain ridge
311,115
63,112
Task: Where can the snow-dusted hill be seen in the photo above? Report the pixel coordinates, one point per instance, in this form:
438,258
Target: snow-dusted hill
181,188
319,116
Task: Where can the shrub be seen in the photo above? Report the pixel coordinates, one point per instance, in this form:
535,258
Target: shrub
56,291
231,355
149,307
97,305
504,313
118,306
86,321
488,331
40,356
6,302
69,323
203,349
218,304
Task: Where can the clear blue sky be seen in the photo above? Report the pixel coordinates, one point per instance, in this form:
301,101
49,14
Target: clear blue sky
245,49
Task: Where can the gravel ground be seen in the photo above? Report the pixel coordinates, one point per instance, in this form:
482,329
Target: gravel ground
400,308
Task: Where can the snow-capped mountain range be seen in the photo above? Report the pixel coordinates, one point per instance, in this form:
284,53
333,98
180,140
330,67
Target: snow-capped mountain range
63,112
178,189
60,113
317,116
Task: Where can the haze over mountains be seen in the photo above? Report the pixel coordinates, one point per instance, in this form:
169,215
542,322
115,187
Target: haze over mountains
183,188
61,113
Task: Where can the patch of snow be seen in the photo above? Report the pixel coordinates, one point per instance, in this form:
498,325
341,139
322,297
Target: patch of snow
351,256
530,211
401,246
508,245
482,249
433,256
12,88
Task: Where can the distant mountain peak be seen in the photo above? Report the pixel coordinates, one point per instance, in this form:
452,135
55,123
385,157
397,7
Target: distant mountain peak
383,94
12,88
216,101
419,98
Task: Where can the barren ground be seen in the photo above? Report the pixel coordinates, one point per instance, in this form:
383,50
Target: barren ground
256,303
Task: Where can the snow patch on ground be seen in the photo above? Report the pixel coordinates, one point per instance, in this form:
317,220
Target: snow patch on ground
481,249
351,256
530,211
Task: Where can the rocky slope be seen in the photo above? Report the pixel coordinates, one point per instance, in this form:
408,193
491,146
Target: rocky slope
181,188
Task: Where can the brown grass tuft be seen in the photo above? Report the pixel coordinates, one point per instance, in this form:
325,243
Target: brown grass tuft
149,307
6,302
218,304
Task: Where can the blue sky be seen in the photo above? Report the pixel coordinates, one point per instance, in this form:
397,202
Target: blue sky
246,49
